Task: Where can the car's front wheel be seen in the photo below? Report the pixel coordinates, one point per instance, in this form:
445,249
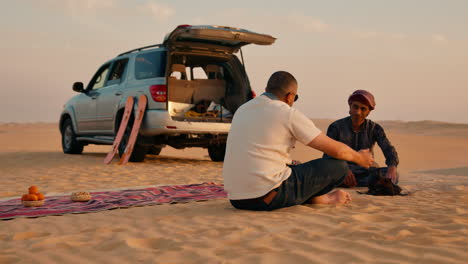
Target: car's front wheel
69,143
217,152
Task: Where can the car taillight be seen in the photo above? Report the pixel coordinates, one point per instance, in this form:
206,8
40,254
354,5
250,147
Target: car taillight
184,26
253,94
158,92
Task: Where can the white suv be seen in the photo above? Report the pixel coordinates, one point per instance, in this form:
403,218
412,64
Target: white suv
194,83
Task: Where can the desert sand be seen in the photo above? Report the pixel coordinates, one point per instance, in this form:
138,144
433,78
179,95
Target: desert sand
428,226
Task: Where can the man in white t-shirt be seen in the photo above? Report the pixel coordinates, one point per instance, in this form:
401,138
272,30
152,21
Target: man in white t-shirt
263,132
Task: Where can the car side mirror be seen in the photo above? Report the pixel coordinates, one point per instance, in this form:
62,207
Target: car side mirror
78,87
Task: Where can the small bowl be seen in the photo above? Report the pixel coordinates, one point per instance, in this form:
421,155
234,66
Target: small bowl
33,203
80,196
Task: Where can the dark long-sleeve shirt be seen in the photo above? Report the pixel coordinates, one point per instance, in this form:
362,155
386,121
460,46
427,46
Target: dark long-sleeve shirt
369,133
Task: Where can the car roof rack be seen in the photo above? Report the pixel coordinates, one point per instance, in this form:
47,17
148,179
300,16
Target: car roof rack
139,49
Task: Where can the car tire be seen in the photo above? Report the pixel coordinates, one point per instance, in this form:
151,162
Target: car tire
154,150
139,150
69,143
217,152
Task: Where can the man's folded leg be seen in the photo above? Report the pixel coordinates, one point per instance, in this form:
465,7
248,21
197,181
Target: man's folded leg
308,180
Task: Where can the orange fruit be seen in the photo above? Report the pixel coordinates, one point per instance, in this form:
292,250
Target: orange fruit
40,196
32,197
33,189
24,197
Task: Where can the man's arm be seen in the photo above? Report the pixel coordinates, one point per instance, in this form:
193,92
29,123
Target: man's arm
341,151
389,151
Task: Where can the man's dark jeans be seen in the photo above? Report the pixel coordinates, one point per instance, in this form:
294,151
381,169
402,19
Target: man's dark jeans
307,180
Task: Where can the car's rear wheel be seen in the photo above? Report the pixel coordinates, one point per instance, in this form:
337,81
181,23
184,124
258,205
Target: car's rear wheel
69,143
217,152
154,150
139,150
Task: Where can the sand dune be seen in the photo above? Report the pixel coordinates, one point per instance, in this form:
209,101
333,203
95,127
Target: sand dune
429,226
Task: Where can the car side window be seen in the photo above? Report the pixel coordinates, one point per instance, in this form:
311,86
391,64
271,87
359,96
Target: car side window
99,78
150,65
117,72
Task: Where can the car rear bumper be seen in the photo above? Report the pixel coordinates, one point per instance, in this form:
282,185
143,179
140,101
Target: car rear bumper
159,122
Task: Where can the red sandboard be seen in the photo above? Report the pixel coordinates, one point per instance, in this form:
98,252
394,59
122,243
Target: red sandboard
121,131
142,101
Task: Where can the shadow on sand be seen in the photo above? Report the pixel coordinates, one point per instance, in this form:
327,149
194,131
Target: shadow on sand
28,159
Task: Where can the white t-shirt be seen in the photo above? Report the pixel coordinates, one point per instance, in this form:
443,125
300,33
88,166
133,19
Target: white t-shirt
263,132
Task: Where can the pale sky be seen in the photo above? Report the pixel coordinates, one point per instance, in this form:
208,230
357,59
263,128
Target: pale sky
413,55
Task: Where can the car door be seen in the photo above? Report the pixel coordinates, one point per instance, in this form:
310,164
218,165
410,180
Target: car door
86,105
110,95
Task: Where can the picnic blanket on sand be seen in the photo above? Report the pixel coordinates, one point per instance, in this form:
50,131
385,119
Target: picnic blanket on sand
107,200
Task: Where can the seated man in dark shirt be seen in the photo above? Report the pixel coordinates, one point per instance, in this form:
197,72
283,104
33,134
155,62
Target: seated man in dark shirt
360,133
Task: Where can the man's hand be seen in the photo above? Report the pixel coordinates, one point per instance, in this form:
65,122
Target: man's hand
350,180
295,162
366,158
392,174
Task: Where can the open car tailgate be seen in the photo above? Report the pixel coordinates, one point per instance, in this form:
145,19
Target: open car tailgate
219,37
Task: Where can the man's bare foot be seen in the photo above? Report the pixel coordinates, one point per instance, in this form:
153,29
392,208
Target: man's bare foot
336,197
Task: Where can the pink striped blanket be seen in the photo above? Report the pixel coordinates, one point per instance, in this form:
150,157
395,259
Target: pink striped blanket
107,200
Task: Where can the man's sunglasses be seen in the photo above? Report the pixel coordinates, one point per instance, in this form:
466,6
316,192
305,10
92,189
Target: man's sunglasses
295,97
